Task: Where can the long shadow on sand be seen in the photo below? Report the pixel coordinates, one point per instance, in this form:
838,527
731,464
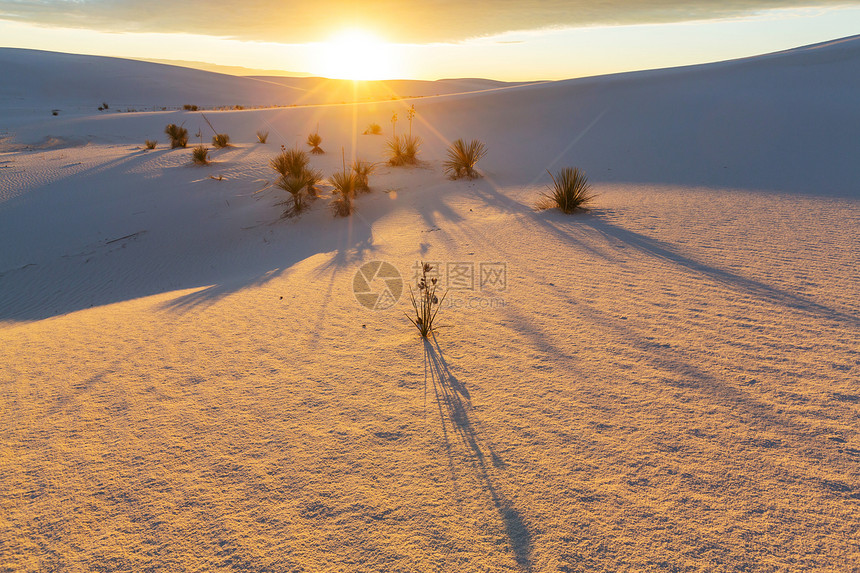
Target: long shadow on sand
452,399
732,280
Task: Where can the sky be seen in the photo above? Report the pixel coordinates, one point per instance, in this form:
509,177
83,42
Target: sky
380,39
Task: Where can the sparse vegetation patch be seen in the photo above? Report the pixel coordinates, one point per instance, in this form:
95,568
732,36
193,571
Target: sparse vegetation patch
200,155
221,140
178,135
427,304
362,170
403,150
462,158
314,141
570,191
344,183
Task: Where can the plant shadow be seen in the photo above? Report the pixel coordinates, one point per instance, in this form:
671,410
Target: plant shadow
453,402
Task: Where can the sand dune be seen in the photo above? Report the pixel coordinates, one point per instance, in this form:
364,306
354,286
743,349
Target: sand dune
666,383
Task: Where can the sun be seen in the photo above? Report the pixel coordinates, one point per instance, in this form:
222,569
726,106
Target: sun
355,55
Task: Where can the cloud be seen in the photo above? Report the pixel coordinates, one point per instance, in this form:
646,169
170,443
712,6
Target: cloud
407,21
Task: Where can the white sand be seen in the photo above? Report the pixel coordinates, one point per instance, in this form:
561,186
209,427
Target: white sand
667,383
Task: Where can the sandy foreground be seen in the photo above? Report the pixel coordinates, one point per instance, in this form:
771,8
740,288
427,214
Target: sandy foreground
668,383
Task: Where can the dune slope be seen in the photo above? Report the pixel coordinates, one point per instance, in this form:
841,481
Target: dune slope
668,382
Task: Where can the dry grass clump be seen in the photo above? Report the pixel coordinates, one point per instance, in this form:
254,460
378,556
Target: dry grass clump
462,158
362,171
403,150
178,135
200,155
296,178
314,141
221,140
570,191
344,183
262,136
299,189
150,144
290,161
373,129
427,305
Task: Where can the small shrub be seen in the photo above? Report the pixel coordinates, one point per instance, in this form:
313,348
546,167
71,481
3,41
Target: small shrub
362,170
427,304
221,140
314,141
297,188
290,162
373,129
151,143
262,136
189,107
403,149
344,188
105,105
178,135
200,155
570,191
312,177
462,158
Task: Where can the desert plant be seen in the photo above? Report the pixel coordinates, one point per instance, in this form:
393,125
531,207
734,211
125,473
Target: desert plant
344,188
178,135
410,114
314,141
151,143
297,188
373,129
200,155
462,158
262,136
403,149
290,161
362,170
427,305
221,140
570,191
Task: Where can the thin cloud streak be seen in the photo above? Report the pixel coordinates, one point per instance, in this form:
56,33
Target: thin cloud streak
393,20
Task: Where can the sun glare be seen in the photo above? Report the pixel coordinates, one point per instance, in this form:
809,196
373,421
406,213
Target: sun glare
355,55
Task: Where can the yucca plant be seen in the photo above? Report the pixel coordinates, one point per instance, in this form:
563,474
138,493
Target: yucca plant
178,135
262,136
314,141
297,188
462,158
373,129
150,143
221,140
362,170
570,191
344,188
427,305
290,161
200,155
403,150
